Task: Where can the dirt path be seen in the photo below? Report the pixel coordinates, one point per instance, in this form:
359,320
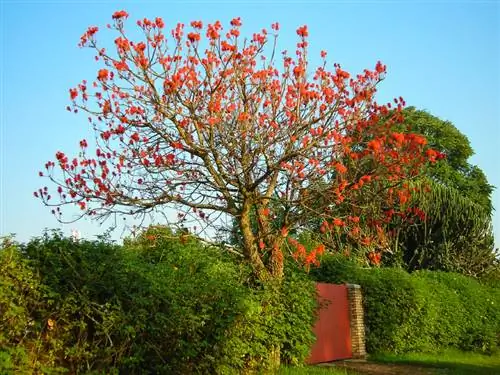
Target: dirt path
374,368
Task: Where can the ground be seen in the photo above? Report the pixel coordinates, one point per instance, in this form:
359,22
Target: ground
448,362
376,368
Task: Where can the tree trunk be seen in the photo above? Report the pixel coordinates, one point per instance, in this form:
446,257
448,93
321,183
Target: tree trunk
270,274
249,245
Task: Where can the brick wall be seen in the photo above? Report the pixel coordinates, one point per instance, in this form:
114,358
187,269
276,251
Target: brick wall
357,324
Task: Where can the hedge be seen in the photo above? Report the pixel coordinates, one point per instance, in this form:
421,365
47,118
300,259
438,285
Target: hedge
422,311
162,303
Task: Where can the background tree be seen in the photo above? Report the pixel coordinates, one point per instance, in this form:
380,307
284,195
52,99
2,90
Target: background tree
453,231
453,234
217,125
454,171
447,226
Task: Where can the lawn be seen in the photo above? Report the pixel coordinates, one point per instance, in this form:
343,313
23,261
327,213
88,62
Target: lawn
447,362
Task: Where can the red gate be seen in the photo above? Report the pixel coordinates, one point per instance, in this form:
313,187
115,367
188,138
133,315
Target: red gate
332,328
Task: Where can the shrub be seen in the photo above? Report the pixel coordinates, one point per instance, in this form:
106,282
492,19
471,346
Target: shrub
162,303
19,293
243,319
471,309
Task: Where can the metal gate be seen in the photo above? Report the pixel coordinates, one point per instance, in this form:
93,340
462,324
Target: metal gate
332,328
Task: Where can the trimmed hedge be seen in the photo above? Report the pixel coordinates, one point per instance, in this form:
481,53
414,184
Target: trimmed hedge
422,311
161,303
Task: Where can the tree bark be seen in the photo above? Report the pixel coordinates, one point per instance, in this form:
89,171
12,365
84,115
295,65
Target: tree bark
249,245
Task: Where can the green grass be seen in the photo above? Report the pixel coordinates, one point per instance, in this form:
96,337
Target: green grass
447,362
313,370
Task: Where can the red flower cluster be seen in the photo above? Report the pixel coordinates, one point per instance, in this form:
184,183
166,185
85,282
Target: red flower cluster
193,37
197,25
302,31
88,35
73,93
119,15
236,22
375,257
159,23
103,75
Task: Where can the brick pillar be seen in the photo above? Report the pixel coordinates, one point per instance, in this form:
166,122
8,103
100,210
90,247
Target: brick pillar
356,315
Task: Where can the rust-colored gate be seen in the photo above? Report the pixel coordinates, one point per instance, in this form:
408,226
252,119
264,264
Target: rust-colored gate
332,328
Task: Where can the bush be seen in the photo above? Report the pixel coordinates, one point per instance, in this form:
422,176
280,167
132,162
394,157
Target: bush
472,310
19,294
422,311
244,320
162,303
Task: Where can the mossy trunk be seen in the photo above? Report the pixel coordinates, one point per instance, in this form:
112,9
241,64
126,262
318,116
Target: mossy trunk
269,274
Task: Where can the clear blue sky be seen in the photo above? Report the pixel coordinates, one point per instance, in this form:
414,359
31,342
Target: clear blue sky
441,56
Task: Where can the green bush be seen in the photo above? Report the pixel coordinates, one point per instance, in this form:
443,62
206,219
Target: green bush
19,294
162,303
422,311
472,310
246,319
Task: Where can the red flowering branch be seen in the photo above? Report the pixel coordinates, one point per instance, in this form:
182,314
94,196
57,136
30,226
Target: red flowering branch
204,121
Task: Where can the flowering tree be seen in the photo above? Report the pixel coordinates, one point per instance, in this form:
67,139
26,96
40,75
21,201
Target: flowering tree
212,123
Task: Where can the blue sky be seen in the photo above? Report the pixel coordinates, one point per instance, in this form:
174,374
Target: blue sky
441,56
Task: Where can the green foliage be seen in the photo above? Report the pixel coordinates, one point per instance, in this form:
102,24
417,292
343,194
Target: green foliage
422,311
455,171
456,236
162,303
275,317
19,293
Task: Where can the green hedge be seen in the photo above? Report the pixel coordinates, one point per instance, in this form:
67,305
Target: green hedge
422,311
159,304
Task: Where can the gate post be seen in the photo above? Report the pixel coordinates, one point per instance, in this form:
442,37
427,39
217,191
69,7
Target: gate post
356,315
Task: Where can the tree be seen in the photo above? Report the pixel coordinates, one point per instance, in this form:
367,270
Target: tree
447,225
453,233
454,170
219,128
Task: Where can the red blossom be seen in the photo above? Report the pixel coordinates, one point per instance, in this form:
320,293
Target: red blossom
120,65
236,22
398,137
302,31
193,37
375,145
159,22
103,75
375,257
380,68
284,231
338,222
197,25
119,15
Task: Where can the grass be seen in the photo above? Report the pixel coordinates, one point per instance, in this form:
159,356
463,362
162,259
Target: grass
313,370
447,362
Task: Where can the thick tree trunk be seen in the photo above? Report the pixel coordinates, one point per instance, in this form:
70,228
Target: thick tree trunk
270,273
276,261
250,247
